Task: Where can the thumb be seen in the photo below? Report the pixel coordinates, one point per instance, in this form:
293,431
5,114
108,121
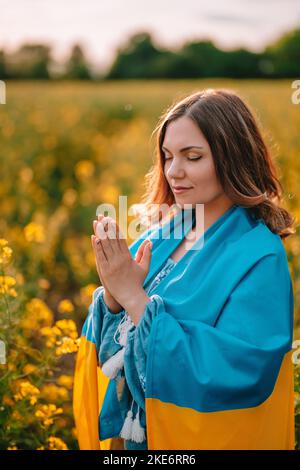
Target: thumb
146,258
140,251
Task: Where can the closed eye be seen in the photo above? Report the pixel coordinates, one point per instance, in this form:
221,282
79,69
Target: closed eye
194,158
191,159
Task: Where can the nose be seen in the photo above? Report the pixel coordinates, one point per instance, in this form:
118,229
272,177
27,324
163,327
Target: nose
175,170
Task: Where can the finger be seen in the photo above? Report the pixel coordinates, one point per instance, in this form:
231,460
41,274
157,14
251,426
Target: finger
123,247
103,234
95,225
113,235
140,251
97,262
93,243
95,222
111,229
95,249
100,253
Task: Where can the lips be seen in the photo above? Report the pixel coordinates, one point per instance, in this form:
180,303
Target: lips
181,187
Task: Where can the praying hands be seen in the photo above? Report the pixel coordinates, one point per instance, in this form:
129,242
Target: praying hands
121,276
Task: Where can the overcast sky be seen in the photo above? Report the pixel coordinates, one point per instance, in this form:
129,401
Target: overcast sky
102,25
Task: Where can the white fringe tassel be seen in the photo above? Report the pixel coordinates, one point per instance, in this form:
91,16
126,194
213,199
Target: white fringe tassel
111,367
132,429
127,426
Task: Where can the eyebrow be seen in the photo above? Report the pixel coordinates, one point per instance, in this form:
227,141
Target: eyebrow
185,148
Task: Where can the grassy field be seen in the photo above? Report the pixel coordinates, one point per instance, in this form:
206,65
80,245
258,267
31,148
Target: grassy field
65,149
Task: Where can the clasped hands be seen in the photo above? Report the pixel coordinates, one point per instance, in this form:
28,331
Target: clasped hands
121,276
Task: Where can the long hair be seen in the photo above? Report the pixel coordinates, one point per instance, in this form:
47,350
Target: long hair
243,163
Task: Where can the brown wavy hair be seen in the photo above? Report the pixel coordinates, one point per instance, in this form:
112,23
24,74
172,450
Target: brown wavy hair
243,163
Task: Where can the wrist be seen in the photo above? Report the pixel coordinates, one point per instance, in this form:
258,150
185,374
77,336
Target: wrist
112,305
136,304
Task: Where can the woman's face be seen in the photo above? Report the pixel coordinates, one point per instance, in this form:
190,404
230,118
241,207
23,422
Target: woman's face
193,167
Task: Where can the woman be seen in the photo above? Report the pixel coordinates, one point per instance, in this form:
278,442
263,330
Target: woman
205,359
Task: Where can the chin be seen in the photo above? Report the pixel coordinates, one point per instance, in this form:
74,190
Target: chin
182,203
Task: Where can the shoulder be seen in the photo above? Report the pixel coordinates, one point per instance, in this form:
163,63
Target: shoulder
270,263
260,270
257,241
270,244
252,252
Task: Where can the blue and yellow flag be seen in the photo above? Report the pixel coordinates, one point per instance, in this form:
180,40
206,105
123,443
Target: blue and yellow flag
219,370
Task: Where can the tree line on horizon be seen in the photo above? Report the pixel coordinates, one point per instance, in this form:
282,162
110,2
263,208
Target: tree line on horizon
141,58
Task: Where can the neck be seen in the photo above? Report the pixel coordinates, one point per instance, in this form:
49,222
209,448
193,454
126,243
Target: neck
211,212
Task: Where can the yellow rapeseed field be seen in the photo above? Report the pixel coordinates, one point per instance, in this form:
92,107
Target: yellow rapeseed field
67,147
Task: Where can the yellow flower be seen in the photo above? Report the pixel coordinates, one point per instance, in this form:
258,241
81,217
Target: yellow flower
55,443
47,413
51,334
37,315
69,197
65,306
26,174
44,283
86,293
65,381
68,328
5,252
52,392
34,232
29,368
6,286
12,448
63,334
50,331
27,390
67,345
109,193
84,169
